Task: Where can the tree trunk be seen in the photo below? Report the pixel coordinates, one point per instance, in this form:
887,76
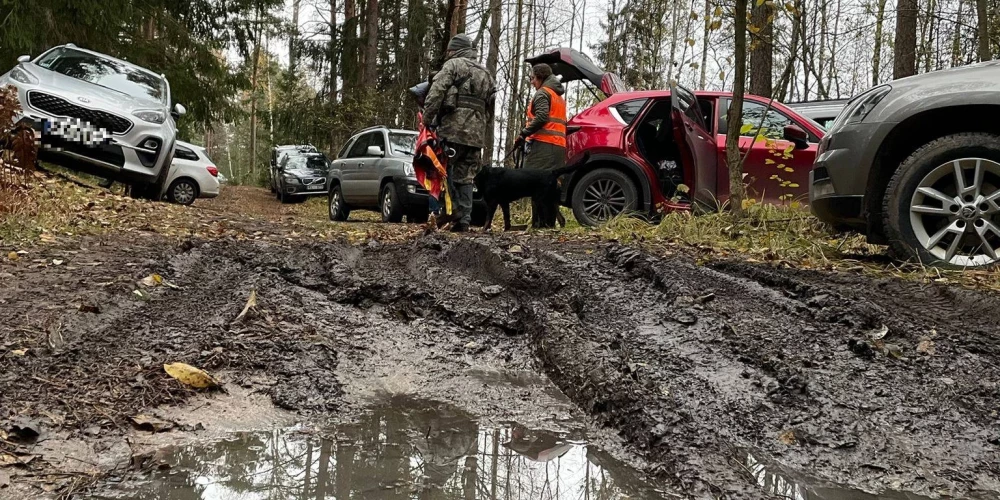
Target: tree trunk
333,52
956,41
905,63
293,37
253,101
786,74
371,46
703,78
877,56
737,191
492,60
513,118
762,50
983,29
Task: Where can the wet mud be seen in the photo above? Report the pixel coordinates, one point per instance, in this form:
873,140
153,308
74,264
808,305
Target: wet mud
839,384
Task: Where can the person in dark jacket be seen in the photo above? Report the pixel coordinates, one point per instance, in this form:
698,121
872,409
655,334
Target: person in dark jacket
460,103
544,135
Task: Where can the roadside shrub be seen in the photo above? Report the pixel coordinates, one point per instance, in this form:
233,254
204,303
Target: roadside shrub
18,144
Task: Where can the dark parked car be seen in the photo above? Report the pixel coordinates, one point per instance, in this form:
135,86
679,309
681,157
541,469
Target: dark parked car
374,171
278,154
915,164
301,176
645,144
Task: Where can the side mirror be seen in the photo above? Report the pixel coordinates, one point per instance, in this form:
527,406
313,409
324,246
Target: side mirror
375,151
797,136
179,110
24,58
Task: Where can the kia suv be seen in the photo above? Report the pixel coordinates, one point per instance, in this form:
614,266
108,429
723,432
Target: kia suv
915,164
99,115
663,150
374,171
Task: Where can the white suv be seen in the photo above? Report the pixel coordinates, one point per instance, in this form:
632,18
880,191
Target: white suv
99,115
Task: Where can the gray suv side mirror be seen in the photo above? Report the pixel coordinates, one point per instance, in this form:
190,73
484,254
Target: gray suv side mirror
375,151
24,58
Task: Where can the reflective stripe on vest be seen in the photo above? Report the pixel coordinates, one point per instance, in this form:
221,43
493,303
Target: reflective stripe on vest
554,130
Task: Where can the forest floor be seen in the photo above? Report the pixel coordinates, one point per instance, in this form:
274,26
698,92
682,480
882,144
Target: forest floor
712,372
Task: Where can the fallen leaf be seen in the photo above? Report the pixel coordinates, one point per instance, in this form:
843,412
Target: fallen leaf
516,249
151,424
251,305
57,262
90,308
879,333
787,437
4,479
19,352
926,347
190,376
13,257
152,280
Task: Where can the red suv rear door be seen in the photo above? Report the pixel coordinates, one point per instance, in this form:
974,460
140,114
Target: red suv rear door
696,146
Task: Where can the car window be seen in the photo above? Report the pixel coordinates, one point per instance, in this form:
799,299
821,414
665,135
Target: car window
360,147
115,75
772,125
345,149
628,110
185,153
689,106
402,143
378,139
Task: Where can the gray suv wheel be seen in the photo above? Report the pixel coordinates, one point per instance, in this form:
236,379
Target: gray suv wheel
941,206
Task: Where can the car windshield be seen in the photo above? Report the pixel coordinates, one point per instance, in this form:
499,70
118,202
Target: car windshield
114,75
307,162
403,143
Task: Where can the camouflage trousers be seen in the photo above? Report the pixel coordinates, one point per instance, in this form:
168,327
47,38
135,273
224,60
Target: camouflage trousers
462,170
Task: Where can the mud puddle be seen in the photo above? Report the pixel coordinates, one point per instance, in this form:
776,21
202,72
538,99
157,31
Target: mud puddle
409,448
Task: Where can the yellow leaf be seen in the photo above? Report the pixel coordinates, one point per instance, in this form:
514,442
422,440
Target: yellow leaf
760,2
753,29
793,185
13,257
775,177
682,188
780,165
715,25
787,169
718,12
789,149
152,280
190,376
768,161
796,205
722,75
19,352
694,16
747,127
690,42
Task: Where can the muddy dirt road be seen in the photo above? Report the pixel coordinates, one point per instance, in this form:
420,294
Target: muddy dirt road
724,380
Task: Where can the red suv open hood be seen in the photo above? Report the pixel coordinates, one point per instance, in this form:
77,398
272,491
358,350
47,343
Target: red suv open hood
572,65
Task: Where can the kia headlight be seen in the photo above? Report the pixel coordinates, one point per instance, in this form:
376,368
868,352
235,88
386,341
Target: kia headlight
18,74
150,115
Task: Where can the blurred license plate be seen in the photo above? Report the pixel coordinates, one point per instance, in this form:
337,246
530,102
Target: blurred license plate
314,187
76,130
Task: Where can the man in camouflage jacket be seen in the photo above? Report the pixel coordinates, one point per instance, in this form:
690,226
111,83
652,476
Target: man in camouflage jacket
460,103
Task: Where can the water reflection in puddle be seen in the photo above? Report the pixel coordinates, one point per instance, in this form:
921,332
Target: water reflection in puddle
785,485
417,450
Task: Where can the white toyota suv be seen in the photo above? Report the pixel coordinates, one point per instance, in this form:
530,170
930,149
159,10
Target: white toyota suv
99,115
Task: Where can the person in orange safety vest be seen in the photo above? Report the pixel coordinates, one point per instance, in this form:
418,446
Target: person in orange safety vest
543,138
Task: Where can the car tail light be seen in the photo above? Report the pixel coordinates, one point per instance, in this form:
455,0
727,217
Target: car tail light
214,171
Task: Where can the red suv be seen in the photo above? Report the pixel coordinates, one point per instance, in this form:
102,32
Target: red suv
644,145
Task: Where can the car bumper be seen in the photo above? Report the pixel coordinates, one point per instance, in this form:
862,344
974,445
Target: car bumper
411,194
303,190
838,180
122,157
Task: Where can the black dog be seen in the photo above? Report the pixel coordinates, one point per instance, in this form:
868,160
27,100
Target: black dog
502,186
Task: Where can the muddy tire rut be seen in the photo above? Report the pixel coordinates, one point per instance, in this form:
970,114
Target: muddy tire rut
694,366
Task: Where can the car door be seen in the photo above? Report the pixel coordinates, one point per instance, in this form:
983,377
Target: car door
369,167
696,146
775,171
350,179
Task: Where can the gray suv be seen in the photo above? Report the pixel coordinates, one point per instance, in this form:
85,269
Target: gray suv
99,115
915,164
374,171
